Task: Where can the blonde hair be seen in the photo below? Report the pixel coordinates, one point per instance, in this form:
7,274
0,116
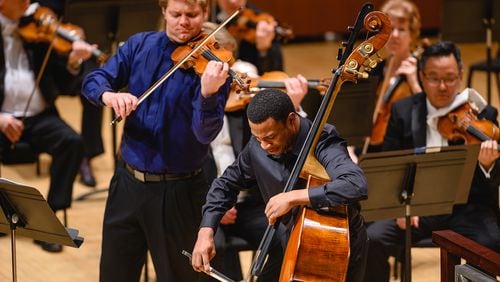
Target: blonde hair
404,10
203,3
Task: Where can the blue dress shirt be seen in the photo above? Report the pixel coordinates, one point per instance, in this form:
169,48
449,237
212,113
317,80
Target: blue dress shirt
170,131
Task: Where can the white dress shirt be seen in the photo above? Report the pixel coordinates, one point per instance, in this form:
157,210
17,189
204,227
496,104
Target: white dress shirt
19,78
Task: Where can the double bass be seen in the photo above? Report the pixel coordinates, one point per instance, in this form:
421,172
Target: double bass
318,247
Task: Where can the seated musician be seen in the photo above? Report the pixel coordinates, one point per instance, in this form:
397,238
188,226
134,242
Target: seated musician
265,50
266,161
28,113
400,67
91,115
413,124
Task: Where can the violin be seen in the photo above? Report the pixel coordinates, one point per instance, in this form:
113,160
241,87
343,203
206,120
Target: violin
43,26
194,54
463,124
246,25
238,99
211,51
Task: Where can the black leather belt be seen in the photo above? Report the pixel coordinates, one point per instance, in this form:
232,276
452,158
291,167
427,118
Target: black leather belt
152,177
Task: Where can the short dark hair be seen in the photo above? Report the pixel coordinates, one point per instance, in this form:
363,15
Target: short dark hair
270,103
441,49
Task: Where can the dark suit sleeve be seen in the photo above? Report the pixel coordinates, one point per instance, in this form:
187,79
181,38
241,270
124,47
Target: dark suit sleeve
348,183
395,130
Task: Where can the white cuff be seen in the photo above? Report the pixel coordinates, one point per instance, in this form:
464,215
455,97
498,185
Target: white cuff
486,173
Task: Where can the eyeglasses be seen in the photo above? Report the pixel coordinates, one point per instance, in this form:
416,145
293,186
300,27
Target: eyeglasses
435,81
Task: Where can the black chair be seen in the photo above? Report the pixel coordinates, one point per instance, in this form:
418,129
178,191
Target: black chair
483,67
21,153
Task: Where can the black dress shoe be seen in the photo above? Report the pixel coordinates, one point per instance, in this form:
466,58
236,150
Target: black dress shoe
86,176
49,247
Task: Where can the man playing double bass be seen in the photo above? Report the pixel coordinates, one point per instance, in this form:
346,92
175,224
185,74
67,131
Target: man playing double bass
278,134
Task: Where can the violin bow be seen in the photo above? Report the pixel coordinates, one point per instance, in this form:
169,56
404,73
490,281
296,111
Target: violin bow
263,249
37,82
180,63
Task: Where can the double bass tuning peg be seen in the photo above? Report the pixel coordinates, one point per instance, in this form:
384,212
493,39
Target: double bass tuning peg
352,68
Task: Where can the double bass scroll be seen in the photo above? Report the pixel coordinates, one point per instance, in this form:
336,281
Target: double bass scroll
316,264
305,258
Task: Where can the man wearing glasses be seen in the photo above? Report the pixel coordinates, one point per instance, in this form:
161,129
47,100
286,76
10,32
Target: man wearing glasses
413,124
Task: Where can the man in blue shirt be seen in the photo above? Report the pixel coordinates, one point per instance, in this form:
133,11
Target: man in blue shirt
266,162
155,197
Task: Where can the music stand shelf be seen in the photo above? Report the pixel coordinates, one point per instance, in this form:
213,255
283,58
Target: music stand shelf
420,182
25,212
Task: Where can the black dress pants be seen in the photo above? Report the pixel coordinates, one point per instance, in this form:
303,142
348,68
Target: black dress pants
476,222
162,217
48,133
91,129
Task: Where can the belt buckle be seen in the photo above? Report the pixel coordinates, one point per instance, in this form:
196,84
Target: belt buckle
139,176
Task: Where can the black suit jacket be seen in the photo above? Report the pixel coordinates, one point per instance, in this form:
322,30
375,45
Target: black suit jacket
407,129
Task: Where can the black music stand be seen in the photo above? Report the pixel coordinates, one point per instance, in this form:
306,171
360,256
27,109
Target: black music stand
25,212
405,183
352,112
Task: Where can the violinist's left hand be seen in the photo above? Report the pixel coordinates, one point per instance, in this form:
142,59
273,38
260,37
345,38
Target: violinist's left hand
214,76
488,153
80,51
409,69
264,35
281,203
296,88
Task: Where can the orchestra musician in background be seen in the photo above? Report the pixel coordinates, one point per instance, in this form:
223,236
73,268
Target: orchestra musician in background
28,113
413,124
264,52
400,67
158,189
91,115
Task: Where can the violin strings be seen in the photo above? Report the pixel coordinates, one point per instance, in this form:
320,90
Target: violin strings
207,53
